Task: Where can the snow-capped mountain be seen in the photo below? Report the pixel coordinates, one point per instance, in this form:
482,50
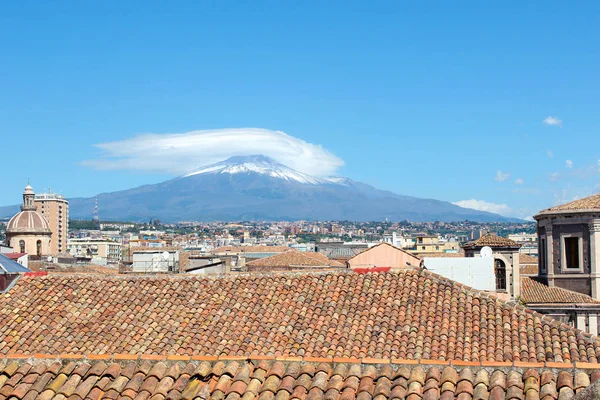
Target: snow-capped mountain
259,188
257,164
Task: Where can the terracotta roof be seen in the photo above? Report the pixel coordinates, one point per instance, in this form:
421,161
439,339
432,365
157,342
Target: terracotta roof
295,258
251,249
491,240
528,264
527,259
409,314
14,256
591,203
529,269
202,378
535,292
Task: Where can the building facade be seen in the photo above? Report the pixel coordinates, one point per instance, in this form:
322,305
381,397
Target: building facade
55,209
99,251
569,246
505,253
28,231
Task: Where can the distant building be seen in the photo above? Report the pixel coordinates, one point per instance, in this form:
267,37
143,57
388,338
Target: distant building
399,240
159,260
98,251
431,244
55,209
28,231
383,255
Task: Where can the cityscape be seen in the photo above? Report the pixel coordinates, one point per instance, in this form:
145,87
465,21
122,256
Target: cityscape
276,201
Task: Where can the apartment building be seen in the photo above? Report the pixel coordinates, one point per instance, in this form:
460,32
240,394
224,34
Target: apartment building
100,251
55,209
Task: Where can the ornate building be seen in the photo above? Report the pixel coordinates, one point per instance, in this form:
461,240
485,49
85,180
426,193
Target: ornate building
28,231
569,246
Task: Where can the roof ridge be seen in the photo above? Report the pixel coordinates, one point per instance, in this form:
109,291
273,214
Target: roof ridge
297,359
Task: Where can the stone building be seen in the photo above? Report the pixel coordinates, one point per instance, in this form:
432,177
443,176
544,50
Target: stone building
569,246
28,231
506,261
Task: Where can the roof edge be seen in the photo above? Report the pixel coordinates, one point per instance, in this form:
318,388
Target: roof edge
294,359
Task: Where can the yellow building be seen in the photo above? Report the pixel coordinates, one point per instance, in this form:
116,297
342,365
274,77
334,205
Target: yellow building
431,244
55,209
28,231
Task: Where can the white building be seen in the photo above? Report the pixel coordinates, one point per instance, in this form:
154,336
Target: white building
100,251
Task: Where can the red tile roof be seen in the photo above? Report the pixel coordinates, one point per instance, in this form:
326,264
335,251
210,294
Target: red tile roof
409,314
590,203
14,256
264,379
491,240
293,258
535,292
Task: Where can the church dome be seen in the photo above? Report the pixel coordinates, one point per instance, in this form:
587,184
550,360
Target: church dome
28,221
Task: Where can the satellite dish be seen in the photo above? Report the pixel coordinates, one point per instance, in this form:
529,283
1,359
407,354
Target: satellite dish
165,255
486,252
49,258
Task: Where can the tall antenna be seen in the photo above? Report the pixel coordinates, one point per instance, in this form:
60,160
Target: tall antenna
96,217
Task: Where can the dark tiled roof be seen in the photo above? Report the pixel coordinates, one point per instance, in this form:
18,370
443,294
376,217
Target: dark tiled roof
294,258
534,292
591,203
491,240
410,314
272,379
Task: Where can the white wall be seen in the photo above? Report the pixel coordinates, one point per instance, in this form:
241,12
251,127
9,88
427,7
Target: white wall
477,272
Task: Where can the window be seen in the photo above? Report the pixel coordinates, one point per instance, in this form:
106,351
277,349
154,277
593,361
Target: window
423,247
500,272
22,246
572,252
39,247
542,254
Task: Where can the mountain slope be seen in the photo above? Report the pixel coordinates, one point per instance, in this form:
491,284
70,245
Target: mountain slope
258,188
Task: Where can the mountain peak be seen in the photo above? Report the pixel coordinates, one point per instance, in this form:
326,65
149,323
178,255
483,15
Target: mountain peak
256,164
254,158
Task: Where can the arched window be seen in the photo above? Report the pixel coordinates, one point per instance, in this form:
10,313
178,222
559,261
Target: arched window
39,248
21,246
500,272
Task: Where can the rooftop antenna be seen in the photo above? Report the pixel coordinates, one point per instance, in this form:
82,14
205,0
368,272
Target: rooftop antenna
96,217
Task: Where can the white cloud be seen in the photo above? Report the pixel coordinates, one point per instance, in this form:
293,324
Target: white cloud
550,153
519,181
178,153
569,164
552,121
501,176
482,205
554,176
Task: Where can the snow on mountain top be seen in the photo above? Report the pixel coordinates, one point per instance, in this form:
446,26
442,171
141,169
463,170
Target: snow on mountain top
257,164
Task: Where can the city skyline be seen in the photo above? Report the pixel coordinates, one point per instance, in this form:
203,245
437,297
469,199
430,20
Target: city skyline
483,106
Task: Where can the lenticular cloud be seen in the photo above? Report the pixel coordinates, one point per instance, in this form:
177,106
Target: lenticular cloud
180,153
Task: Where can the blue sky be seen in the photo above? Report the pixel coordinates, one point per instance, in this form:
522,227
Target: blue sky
445,100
